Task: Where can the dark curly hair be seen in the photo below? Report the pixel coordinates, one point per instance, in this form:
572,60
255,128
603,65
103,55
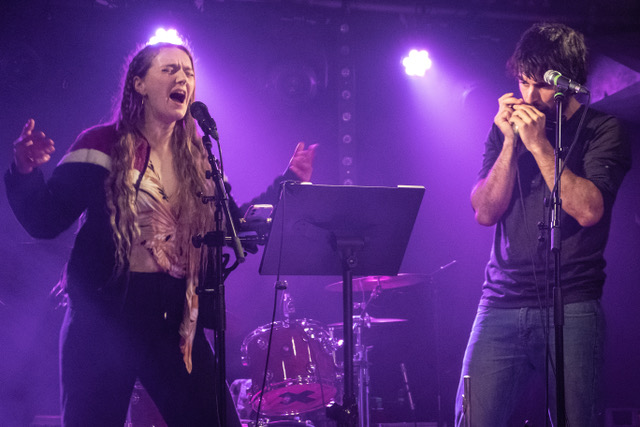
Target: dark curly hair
549,46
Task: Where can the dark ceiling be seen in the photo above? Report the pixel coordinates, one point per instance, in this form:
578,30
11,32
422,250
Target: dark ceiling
596,15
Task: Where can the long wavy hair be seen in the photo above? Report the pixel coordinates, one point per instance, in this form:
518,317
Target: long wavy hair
189,162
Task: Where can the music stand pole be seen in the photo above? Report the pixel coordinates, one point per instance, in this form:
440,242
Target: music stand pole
348,249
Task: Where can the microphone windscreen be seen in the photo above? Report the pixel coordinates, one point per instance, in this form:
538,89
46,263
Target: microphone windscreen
198,110
551,77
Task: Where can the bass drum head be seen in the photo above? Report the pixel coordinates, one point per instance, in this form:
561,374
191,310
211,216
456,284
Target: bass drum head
301,376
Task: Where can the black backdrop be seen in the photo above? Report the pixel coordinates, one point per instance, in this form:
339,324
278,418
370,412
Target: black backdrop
269,73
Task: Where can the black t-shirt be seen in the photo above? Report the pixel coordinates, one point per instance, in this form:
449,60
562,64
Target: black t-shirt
521,265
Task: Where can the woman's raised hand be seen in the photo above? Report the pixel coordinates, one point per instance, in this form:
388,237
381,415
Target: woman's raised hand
32,148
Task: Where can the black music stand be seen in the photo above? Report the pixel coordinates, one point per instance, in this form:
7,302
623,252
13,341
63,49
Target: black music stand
331,230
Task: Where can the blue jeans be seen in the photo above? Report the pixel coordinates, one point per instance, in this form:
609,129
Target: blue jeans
506,350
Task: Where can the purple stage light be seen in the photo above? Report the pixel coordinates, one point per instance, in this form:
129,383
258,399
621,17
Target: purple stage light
166,36
417,63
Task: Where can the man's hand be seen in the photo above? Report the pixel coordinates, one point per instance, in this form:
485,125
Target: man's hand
530,123
506,104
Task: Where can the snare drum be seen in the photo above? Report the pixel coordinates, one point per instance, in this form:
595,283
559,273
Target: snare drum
301,376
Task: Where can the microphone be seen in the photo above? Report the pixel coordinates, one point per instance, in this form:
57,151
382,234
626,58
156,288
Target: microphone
554,78
200,112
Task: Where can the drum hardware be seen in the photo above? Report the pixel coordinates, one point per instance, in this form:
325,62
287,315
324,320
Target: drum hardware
362,320
288,308
371,283
361,361
296,421
405,381
361,353
289,423
361,358
368,321
329,343
335,345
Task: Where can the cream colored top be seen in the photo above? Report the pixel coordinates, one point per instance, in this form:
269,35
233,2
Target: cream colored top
156,249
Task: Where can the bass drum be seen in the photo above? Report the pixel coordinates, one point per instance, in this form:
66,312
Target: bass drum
301,375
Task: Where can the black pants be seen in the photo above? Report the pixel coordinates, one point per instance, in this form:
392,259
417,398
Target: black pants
101,355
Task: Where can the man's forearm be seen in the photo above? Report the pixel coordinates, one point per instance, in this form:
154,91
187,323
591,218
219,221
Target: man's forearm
491,195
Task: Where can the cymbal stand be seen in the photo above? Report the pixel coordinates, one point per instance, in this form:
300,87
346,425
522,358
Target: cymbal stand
361,357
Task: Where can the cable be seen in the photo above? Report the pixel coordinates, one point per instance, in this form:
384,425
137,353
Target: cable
544,308
557,180
573,143
278,286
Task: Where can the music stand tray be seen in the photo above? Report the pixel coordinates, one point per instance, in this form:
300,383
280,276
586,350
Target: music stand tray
311,219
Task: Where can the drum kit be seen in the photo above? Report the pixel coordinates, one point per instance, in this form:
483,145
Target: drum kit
294,363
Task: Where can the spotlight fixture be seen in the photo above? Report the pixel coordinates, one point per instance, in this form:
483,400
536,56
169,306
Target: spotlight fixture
417,63
166,36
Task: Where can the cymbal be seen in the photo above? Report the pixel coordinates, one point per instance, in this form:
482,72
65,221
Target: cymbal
370,319
369,283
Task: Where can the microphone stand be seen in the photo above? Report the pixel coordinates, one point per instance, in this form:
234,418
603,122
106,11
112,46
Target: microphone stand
558,307
215,241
